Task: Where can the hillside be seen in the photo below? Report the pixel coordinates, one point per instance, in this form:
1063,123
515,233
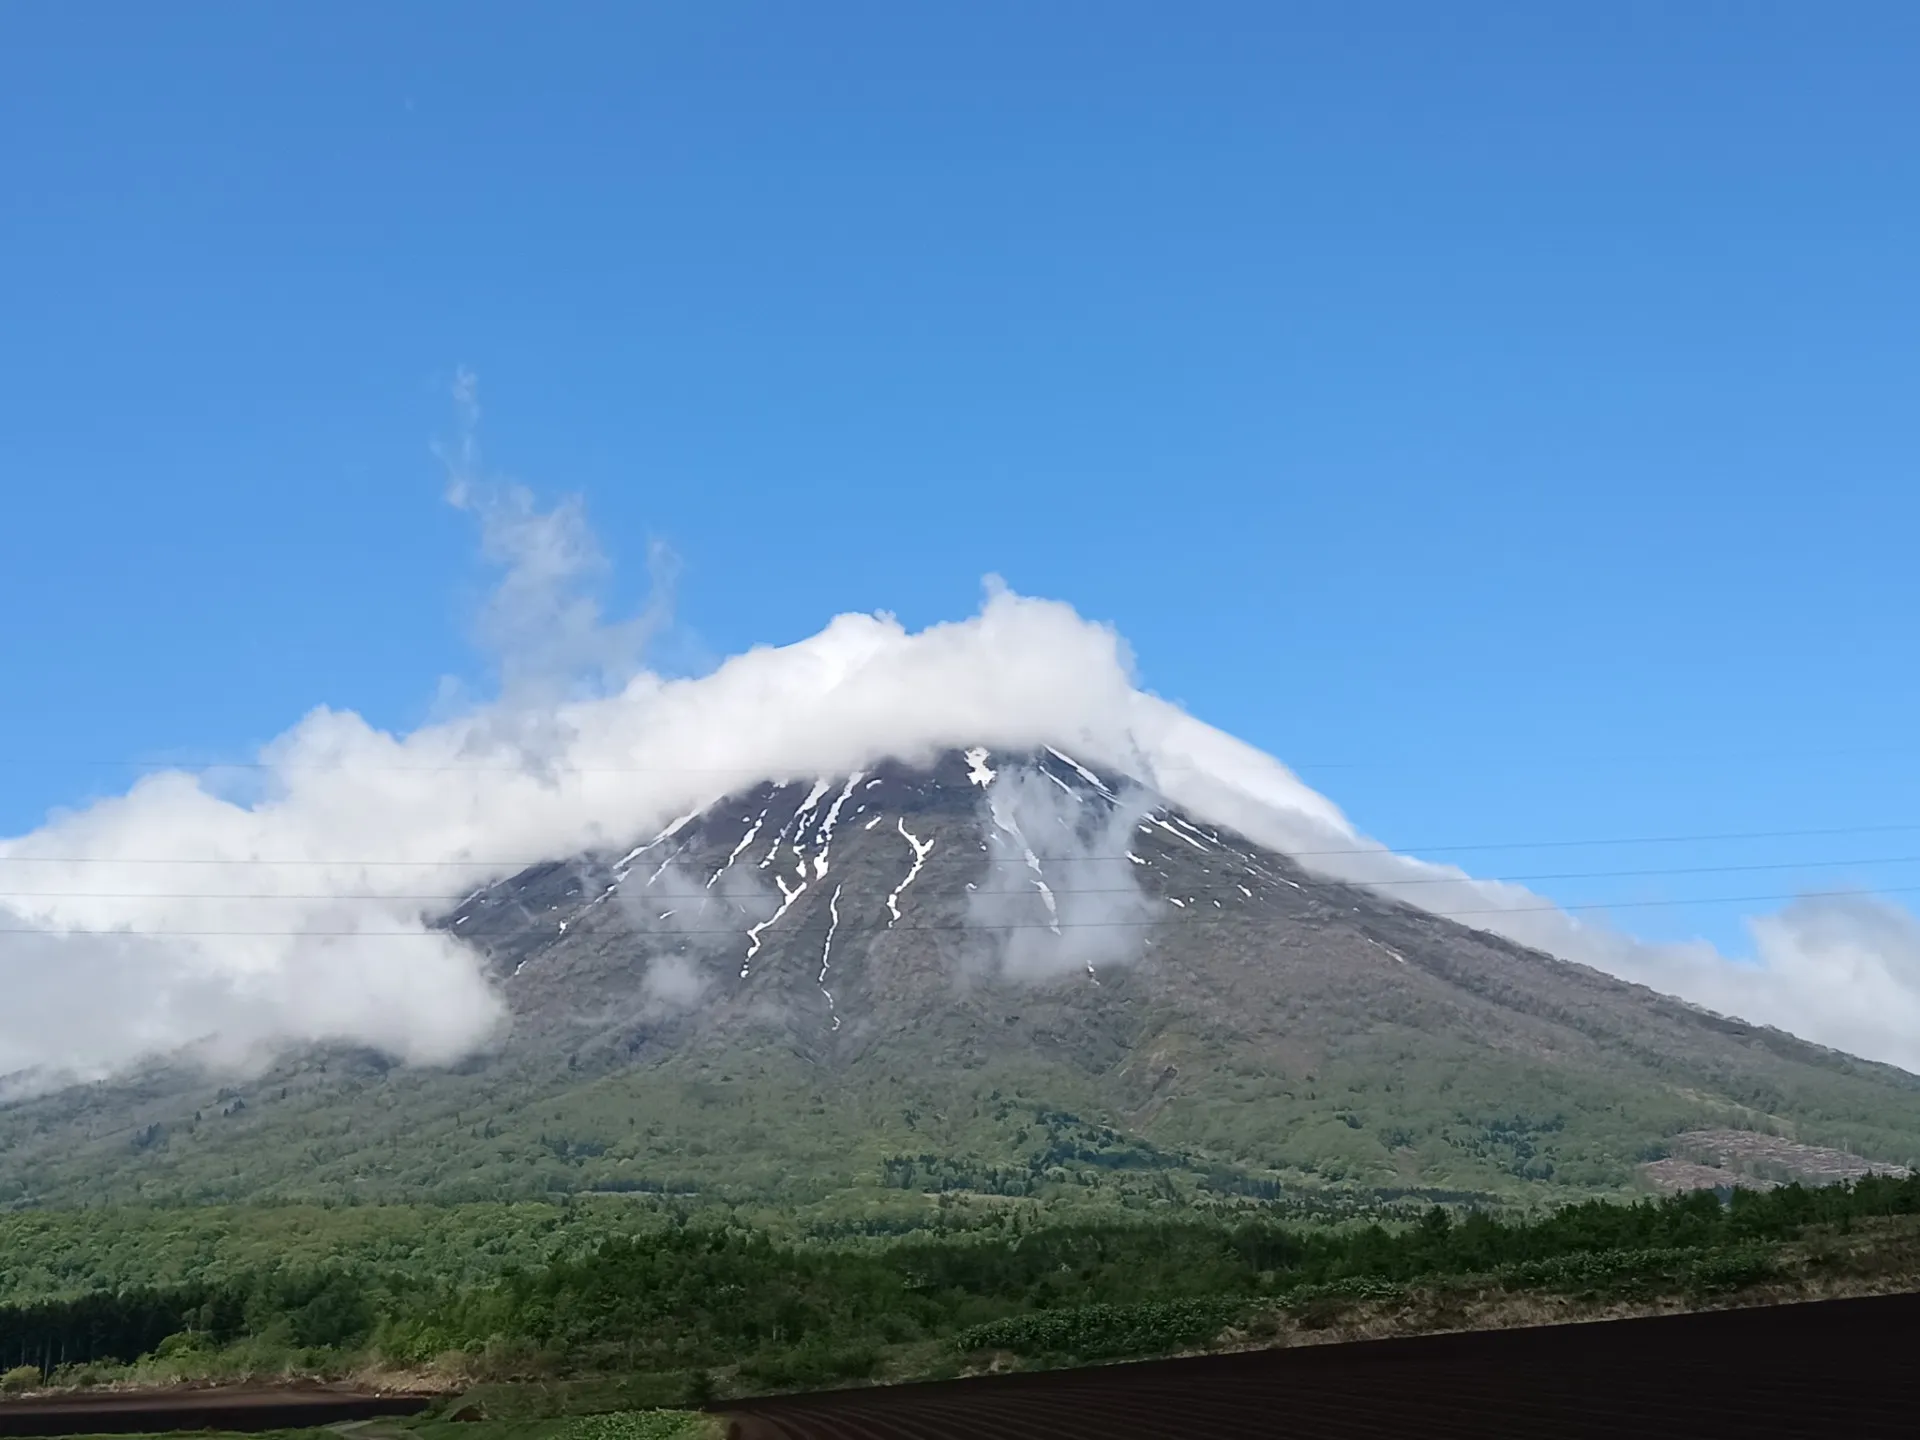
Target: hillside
993,975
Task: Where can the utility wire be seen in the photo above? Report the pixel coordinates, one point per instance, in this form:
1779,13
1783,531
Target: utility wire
1567,757
1398,852
1313,884
1201,919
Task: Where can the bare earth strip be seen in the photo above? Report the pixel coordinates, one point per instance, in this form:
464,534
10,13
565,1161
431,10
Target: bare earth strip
1834,1367
137,1412
1721,1159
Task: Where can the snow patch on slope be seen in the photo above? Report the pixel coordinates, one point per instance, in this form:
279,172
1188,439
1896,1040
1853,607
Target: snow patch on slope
978,771
921,849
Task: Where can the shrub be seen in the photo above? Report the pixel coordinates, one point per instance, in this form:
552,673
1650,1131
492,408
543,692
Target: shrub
1101,1331
1643,1271
21,1377
634,1425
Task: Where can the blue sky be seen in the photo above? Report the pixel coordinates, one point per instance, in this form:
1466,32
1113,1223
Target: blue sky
1504,414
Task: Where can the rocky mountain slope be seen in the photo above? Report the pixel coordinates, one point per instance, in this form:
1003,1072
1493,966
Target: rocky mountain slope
1001,974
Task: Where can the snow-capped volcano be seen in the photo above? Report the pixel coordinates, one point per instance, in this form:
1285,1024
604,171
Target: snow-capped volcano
1030,868
184,917
1001,890
1011,967
916,884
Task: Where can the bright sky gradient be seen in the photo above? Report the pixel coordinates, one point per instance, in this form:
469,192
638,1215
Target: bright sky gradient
1504,414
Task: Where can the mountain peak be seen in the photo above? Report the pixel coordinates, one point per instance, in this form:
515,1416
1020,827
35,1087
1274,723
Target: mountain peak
1012,963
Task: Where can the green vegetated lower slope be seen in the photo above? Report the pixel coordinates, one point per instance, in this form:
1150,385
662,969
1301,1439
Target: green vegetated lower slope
1386,1113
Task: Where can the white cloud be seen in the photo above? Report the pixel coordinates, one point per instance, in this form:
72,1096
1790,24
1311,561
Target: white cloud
1065,899
176,917
675,982
544,624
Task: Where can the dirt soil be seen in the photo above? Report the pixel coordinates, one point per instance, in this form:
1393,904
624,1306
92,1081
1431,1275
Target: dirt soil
1824,1368
124,1412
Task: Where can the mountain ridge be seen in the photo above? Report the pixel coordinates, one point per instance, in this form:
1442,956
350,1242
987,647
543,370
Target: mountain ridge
785,992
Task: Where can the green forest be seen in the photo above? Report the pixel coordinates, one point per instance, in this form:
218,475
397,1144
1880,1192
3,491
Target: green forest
684,1306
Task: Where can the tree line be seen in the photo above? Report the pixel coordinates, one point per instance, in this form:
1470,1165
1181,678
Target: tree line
693,1295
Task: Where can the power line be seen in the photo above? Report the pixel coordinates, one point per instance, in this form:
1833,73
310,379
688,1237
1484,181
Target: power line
1254,921
1400,851
1564,757
453,896
1696,839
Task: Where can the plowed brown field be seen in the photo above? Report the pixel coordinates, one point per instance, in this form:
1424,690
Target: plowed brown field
259,1409
1839,1368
